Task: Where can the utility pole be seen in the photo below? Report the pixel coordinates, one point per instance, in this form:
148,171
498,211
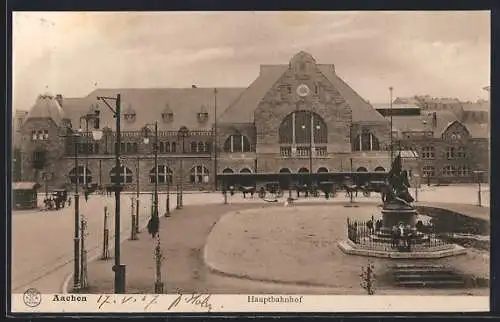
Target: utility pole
118,268
76,240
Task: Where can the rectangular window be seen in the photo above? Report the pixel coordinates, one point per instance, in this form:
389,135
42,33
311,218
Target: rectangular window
450,153
461,154
34,136
428,152
96,148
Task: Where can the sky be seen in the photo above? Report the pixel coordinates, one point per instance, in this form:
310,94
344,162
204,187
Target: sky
442,54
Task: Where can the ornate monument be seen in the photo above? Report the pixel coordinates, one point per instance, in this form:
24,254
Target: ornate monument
396,235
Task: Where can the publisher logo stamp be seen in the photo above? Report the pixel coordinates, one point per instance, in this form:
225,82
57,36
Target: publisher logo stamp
32,297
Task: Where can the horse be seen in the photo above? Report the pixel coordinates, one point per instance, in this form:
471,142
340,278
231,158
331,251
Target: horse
247,189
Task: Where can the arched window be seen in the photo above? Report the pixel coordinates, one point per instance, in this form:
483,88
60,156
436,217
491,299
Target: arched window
227,170
245,170
84,175
322,170
135,147
237,143
366,142
208,147
124,175
379,169
428,171
199,174
448,171
194,146
164,175
167,146
302,127
162,148
174,147
129,147
285,170
303,170
361,169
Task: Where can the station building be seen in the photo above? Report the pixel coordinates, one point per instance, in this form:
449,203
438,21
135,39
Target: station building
296,117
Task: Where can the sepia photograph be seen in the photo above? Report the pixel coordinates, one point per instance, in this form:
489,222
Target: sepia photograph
250,161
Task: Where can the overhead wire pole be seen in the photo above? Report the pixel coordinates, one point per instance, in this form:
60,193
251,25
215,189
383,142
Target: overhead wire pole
118,268
76,240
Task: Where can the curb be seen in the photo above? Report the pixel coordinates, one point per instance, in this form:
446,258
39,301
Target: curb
68,278
212,267
457,250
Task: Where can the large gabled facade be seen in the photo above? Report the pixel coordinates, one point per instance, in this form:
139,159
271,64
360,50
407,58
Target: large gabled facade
297,117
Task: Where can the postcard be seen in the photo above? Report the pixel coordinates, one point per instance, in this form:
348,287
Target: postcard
250,161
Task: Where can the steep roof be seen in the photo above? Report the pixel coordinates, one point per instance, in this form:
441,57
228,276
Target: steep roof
476,106
361,109
149,103
443,117
242,110
46,106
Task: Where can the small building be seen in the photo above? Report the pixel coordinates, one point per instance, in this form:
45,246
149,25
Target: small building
24,195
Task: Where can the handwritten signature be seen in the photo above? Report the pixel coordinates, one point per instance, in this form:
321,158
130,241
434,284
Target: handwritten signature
201,300
148,300
195,299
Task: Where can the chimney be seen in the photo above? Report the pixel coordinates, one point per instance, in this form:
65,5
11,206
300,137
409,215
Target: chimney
59,99
194,86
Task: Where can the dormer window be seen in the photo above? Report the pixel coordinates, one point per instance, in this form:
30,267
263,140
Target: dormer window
167,115
129,114
203,114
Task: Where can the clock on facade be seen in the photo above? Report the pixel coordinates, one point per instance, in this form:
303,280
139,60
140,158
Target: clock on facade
303,90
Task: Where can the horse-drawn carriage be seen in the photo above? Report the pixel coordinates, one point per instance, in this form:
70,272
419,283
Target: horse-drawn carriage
56,200
273,187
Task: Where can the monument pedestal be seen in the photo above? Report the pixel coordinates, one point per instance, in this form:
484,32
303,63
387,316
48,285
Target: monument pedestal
394,214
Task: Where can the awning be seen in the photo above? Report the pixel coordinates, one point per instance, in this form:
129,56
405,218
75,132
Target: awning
25,185
408,154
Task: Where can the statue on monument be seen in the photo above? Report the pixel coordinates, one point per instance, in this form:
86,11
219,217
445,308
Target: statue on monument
398,185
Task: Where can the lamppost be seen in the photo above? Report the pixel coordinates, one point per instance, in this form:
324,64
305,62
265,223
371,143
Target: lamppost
76,239
478,174
118,268
97,135
46,176
182,134
155,151
311,143
77,236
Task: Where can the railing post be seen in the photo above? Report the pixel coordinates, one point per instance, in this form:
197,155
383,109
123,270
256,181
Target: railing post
133,229
158,288
137,230
83,259
105,246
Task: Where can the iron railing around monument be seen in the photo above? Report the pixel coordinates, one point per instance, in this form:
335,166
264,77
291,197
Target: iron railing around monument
370,235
